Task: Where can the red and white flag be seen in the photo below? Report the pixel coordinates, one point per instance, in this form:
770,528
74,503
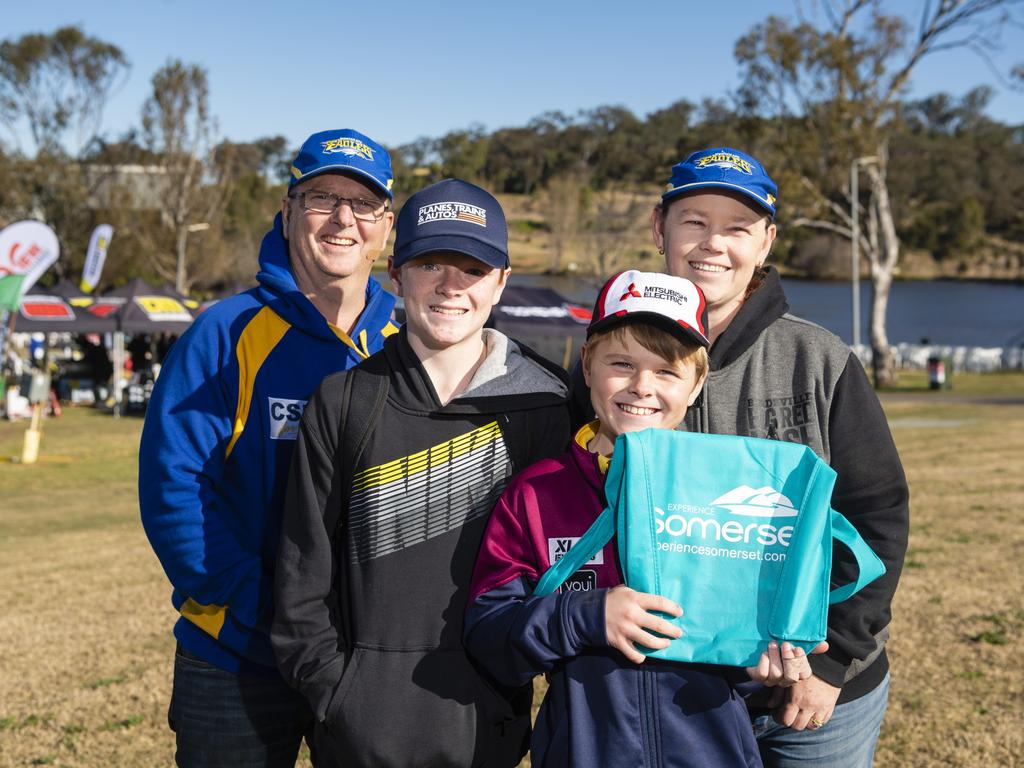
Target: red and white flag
27,248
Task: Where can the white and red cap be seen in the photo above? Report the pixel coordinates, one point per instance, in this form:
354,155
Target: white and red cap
669,302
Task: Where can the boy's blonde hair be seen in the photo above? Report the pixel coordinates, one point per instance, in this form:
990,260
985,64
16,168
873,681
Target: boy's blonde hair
654,339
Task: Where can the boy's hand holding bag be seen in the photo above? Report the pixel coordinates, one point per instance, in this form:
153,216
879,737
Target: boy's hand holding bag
736,530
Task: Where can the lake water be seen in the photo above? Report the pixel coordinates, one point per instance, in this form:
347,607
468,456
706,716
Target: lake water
946,312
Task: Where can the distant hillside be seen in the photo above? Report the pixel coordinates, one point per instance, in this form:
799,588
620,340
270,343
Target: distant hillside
534,242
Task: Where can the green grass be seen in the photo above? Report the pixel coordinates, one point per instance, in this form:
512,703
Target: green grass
85,636
87,467
103,682
991,636
123,723
995,383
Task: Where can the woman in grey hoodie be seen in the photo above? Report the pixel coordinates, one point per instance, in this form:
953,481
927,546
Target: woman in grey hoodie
777,376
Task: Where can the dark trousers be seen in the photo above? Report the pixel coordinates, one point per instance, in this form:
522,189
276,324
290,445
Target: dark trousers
225,719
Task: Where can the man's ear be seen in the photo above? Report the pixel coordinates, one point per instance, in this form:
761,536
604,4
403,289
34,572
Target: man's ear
286,210
395,273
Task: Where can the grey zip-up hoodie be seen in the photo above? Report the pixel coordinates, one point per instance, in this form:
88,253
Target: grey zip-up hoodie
776,376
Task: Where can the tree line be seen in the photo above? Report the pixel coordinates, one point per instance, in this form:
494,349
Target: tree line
816,98
954,172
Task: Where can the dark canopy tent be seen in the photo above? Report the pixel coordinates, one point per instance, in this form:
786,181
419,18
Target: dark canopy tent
63,308
60,309
134,308
138,307
75,296
190,304
544,320
134,286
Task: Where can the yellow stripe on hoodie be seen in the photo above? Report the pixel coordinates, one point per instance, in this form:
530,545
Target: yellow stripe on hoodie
362,348
257,340
209,618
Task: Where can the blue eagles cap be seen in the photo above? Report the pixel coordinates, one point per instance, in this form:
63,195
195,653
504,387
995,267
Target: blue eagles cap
723,168
346,151
452,215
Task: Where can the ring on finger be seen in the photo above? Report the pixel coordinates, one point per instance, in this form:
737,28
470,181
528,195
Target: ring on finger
814,724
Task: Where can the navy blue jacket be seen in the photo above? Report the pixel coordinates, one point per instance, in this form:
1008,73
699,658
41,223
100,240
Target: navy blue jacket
600,709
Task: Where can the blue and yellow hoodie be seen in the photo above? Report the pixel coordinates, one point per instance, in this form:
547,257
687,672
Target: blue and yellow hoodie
217,443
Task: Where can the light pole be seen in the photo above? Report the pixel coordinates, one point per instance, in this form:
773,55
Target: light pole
855,240
179,273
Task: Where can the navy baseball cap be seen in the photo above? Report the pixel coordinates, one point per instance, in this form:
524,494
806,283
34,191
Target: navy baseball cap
346,151
452,215
723,168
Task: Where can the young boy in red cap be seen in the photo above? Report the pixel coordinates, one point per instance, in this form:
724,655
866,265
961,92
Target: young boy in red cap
607,704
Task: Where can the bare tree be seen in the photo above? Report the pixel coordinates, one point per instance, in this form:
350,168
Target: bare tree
611,218
562,203
178,128
834,87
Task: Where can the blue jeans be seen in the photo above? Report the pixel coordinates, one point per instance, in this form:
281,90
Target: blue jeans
847,740
225,719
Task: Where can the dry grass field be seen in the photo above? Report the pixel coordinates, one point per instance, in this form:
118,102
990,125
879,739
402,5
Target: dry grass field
85,617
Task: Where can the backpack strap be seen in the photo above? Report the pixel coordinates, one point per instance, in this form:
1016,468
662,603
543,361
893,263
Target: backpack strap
362,403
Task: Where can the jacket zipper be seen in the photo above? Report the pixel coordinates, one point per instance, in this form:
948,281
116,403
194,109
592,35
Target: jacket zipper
652,756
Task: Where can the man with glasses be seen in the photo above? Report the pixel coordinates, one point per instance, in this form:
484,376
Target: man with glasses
219,436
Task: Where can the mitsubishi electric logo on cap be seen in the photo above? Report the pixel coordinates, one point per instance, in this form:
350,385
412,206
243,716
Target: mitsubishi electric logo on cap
631,291
756,502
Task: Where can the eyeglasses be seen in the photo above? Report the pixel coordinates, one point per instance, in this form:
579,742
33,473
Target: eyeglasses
317,201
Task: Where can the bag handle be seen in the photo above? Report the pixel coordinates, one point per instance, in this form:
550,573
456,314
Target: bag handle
589,544
869,566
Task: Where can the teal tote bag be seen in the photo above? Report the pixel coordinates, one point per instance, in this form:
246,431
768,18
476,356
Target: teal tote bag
736,530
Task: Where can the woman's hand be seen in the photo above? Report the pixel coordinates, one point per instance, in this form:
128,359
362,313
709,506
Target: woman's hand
783,666
628,621
808,704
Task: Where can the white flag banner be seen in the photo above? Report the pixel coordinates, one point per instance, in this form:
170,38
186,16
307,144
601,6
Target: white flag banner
27,248
95,257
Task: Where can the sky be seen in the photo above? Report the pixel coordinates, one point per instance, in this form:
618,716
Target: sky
398,70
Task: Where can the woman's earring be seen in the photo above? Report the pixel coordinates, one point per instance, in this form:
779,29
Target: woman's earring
661,251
